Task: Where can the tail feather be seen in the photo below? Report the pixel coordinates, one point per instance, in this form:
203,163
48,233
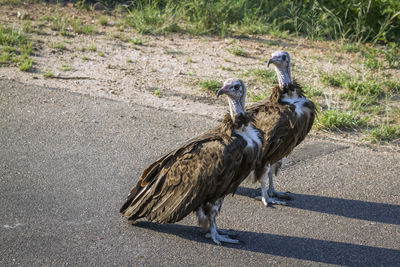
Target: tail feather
142,200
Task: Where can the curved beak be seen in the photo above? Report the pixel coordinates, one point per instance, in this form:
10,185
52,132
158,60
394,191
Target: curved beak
223,90
272,60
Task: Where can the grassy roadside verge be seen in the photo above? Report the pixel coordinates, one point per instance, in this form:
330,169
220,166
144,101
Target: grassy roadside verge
358,94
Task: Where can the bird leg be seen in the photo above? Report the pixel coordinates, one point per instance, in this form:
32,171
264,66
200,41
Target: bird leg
273,193
265,197
218,235
274,169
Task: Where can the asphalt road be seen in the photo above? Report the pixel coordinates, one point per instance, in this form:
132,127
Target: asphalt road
67,162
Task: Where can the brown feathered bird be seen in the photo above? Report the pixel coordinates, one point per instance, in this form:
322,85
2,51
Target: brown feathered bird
198,175
286,117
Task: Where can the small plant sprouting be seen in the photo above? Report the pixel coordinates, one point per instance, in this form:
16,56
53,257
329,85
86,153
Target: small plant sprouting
59,45
226,68
158,92
26,64
65,68
211,85
103,21
265,75
79,28
238,51
48,74
136,41
92,47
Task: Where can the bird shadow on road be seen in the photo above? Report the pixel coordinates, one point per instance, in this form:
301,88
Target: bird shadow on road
356,209
321,251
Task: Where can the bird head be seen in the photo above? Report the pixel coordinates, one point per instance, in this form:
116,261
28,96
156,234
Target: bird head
234,88
281,59
236,91
281,62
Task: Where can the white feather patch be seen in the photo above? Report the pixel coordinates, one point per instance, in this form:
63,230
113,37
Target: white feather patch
250,134
297,101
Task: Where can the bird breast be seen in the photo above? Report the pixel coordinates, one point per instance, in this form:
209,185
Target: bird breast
297,101
250,134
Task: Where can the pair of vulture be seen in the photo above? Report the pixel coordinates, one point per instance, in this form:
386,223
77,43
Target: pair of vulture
248,143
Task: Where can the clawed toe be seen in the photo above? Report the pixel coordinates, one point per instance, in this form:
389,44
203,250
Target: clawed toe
229,232
281,195
218,238
271,201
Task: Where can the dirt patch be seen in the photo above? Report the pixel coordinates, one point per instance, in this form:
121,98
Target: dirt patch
118,69
160,71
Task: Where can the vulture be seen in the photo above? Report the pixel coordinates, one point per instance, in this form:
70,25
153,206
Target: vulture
285,117
197,176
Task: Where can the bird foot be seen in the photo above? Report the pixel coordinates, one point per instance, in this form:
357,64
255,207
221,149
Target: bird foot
229,232
218,238
270,201
281,195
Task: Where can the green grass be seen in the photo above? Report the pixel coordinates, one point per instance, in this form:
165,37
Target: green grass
238,51
273,42
362,103
92,47
26,64
65,68
27,27
350,48
337,79
371,59
312,92
48,74
136,41
57,23
79,28
211,85
384,133
151,18
225,68
103,21
59,45
267,76
253,97
391,86
359,85
392,55
85,58
15,49
334,119
158,92
356,21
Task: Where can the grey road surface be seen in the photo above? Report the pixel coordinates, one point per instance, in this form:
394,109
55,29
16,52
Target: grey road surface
67,162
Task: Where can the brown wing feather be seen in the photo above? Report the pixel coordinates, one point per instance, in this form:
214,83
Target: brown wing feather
283,128
203,170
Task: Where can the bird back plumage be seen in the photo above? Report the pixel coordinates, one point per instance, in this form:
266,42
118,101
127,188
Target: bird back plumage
203,170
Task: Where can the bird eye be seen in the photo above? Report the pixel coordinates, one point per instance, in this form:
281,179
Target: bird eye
283,57
237,86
